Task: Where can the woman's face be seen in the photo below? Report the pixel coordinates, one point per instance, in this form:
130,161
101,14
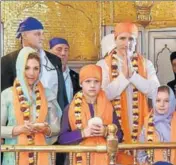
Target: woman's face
32,71
162,102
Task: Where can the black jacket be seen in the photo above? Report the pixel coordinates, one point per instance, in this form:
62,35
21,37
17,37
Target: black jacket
172,85
8,74
75,81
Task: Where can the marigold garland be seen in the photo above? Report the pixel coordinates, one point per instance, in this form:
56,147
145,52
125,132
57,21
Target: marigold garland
25,108
150,134
78,102
117,101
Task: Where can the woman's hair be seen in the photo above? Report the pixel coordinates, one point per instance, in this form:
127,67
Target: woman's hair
164,88
35,56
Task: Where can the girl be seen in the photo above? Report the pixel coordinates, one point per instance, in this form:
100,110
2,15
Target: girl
159,126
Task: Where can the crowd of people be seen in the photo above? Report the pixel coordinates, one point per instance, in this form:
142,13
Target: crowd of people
45,102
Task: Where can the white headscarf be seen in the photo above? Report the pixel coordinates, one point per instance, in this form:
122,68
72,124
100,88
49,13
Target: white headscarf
162,122
107,44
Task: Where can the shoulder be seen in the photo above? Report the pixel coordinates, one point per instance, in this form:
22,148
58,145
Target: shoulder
73,73
146,61
55,60
52,56
10,56
7,94
171,83
101,62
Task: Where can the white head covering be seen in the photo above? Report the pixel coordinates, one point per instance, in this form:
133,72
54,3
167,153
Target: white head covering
162,121
107,44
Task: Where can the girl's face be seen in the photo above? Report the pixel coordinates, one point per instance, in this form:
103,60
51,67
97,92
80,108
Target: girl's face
162,102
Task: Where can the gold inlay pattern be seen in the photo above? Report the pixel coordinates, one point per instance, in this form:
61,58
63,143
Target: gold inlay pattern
79,22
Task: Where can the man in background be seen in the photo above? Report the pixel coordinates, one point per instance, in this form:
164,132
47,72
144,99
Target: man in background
61,48
30,32
172,83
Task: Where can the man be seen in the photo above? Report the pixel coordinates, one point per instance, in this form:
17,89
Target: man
30,32
60,47
128,79
172,83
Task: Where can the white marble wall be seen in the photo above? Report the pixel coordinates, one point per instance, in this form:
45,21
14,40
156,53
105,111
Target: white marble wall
160,44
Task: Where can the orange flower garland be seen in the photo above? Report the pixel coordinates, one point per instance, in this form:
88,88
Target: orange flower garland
25,108
116,102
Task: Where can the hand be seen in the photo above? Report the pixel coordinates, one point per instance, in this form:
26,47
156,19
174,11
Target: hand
98,130
41,128
125,69
22,129
94,130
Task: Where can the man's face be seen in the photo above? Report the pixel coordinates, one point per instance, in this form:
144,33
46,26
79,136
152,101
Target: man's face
126,43
62,51
174,65
33,38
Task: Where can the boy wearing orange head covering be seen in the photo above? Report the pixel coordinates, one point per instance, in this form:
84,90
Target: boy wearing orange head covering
84,121
128,79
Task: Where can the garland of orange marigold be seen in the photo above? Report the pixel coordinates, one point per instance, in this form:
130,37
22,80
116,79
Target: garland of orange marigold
150,134
78,103
117,101
25,108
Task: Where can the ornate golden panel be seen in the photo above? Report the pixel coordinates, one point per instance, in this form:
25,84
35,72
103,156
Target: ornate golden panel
79,22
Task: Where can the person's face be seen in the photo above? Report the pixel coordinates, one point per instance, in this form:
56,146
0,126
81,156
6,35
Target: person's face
91,87
174,65
162,102
32,71
33,38
62,51
126,42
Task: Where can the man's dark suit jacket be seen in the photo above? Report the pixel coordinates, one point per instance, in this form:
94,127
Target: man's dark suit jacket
75,81
172,84
8,74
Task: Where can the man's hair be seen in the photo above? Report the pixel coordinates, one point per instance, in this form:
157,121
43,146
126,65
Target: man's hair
172,56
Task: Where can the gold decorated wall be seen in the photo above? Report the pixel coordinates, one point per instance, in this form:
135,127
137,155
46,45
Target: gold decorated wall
80,22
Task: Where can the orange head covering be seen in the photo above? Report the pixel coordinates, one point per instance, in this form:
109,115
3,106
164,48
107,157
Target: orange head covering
90,71
126,27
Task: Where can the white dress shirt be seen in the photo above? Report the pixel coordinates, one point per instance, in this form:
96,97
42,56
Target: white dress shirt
68,84
49,75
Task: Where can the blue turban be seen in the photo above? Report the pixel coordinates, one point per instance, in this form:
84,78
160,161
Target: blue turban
55,41
28,24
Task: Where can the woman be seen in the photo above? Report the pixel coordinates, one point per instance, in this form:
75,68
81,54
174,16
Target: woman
85,121
30,114
159,126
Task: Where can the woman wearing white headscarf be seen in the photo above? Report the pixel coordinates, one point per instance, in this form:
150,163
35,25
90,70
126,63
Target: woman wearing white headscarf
160,125
30,114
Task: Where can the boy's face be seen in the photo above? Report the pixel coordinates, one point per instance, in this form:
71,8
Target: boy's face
91,87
